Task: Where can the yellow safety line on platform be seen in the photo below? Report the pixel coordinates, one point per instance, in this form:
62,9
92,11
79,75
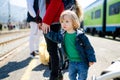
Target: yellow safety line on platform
33,63
27,74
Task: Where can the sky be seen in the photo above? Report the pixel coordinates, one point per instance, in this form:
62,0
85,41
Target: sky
85,3
22,3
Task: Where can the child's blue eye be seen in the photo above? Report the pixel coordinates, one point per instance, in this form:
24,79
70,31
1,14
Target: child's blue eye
61,21
67,21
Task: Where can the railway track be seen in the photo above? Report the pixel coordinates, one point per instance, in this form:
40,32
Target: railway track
9,42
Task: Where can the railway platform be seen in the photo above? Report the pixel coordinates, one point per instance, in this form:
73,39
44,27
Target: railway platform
18,65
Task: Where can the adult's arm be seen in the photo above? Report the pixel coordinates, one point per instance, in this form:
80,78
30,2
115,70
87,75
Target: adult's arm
31,10
52,11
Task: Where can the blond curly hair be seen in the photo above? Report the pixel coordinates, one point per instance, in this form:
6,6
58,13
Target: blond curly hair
73,16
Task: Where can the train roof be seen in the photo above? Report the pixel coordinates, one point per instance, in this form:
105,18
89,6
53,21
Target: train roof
97,2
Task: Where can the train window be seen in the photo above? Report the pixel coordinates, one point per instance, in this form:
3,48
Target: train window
114,9
98,13
92,15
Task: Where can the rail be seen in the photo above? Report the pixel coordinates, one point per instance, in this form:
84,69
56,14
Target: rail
7,46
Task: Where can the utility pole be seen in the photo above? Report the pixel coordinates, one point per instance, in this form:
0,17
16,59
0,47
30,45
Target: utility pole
9,13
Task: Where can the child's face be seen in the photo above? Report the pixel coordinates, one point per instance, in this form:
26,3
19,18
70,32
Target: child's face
67,24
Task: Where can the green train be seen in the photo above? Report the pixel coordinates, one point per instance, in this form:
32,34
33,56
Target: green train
102,17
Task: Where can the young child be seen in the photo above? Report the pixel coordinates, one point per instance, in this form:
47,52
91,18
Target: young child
76,45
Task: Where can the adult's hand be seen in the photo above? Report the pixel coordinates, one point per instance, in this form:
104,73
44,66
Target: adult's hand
45,28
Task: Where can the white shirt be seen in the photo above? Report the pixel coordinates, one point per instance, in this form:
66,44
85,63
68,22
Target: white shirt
31,10
42,8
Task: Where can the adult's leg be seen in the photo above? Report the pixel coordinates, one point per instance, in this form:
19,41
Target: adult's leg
54,58
37,39
52,49
33,33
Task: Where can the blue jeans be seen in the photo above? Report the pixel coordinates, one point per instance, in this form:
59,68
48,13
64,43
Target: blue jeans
78,71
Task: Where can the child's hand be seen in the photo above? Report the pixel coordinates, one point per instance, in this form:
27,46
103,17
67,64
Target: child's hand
91,63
